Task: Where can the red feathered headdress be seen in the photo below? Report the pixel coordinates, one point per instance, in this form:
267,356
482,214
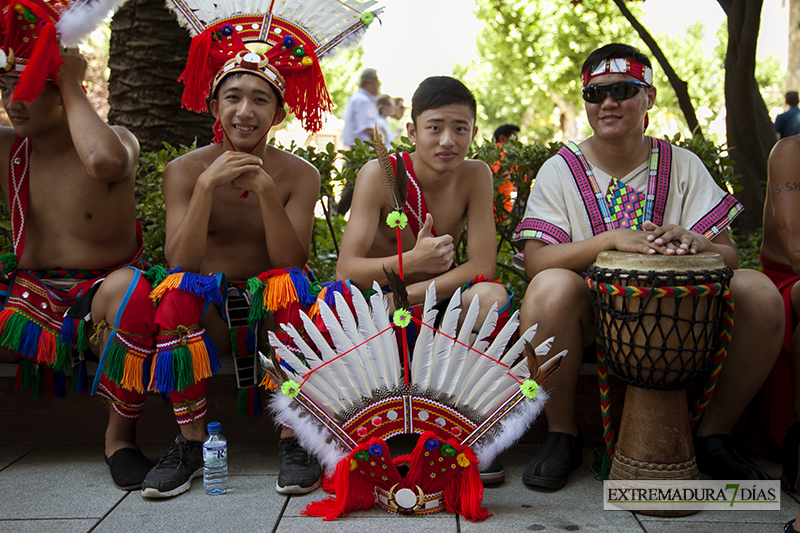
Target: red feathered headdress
280,43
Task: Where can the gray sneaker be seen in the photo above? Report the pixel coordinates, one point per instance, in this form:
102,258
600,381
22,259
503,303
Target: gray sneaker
173,474
299,472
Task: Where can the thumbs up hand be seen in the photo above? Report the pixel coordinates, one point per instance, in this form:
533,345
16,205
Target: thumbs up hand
433,254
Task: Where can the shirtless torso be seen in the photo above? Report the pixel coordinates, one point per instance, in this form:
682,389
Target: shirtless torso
455,190
81,211
235,239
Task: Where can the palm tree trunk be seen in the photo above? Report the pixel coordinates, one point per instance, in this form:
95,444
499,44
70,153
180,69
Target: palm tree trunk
148,52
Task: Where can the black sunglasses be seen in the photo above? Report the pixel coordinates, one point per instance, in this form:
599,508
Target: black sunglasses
621,90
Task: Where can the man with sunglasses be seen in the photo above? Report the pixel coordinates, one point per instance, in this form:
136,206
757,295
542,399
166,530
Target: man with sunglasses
621,190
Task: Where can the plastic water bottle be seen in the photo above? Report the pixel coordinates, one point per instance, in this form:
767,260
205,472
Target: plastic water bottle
215,461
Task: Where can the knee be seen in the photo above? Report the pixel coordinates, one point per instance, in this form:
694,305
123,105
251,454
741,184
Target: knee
488,294
111,291
756,298
555,290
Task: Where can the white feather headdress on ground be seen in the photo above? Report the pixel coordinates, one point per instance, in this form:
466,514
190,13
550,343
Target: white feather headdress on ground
468,395
279,40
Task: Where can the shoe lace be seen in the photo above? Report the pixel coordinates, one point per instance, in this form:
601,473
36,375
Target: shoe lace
295,454
173,457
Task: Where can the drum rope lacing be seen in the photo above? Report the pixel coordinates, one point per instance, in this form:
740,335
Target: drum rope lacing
713,283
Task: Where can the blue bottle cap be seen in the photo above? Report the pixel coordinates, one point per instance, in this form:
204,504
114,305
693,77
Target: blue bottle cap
214,427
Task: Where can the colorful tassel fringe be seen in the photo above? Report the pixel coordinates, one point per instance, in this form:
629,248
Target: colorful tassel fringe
205,287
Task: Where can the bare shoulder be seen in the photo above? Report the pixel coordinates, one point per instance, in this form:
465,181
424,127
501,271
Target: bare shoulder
474,170
7,138
283,163
786,151
190,165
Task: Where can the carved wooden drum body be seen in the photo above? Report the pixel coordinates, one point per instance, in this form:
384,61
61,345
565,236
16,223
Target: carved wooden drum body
657,320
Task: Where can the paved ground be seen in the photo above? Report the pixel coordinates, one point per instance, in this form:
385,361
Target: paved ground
68,489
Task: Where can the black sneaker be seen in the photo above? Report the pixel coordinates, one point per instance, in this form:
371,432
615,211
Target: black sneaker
718,458
173,474
493,474
299,472
559,454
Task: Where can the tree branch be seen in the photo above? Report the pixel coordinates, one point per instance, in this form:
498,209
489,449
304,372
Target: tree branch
680,86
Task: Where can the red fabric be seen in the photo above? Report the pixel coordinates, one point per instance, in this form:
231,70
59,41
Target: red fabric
778,387
119,393
190,393
415,205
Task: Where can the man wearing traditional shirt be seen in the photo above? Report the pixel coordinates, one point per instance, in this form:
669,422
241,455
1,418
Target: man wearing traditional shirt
621,190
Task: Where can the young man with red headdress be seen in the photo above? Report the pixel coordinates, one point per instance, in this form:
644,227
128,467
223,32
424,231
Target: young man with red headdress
240,215
68,178
591,198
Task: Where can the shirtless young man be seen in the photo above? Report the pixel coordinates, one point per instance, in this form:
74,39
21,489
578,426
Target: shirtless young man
244,209
780,260
692,213
445,192
68,178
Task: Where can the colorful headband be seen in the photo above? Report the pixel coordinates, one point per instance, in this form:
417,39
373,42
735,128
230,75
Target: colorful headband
281,42
32,32
620,65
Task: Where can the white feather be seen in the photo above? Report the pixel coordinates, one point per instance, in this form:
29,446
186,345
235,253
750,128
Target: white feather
309,387
487,401
83,18
494,371
423,349
479,363
448,380
376,360
350,362
358,352
544,348
328,384
335,370
480,343
519,371
380,317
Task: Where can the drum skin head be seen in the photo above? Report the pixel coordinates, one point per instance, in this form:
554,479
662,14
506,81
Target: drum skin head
658,262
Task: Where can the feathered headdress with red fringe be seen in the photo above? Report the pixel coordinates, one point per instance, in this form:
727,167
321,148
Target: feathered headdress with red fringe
279,41
32,32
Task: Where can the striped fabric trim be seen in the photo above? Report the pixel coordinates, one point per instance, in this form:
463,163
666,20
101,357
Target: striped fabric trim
536,228
189,411
125,410
719,218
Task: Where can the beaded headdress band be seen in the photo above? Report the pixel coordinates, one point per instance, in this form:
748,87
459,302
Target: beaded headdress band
620,65
280,41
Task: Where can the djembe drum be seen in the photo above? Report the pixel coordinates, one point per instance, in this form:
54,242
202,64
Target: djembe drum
657,320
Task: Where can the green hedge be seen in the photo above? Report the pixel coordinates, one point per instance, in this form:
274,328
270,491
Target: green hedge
515,162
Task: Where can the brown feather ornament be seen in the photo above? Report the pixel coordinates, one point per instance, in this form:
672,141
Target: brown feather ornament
398,288
396,182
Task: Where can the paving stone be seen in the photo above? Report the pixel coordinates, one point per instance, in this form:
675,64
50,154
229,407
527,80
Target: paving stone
37,526
251,504
10,454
